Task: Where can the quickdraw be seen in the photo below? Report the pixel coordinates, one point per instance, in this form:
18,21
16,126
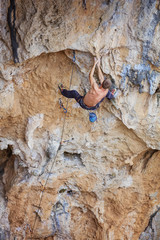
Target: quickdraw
61,105
74,56
28,226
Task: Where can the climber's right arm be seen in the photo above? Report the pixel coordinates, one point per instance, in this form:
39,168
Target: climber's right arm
91,78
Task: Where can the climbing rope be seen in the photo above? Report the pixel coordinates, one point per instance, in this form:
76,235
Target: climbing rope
74,59
60,145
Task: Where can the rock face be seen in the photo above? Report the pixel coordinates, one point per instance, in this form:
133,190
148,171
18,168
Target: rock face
153,229
61,176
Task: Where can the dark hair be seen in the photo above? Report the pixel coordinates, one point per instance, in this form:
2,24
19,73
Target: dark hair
106,83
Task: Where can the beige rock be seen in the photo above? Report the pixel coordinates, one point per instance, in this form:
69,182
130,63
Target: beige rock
65,177
33,123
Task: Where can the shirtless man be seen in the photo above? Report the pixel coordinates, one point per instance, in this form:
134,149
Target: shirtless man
96,94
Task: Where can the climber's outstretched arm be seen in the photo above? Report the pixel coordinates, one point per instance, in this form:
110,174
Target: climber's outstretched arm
91,78
100,74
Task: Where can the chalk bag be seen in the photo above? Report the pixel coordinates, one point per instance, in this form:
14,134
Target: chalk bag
92,117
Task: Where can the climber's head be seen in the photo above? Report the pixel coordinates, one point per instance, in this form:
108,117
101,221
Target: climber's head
106,84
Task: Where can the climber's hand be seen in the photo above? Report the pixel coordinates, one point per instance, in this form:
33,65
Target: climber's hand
95,60
98,63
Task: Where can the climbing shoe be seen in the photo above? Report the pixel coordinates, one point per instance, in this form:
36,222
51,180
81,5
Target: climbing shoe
61,87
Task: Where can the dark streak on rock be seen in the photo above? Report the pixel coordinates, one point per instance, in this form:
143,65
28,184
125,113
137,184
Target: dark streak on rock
151,218
11,17
149,232
147,156
84,5
150,31
4,235
138,75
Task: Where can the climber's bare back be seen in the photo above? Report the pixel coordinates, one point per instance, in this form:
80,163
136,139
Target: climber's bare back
94,96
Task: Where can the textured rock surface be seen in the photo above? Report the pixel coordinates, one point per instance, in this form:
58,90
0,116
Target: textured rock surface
153,229
103,182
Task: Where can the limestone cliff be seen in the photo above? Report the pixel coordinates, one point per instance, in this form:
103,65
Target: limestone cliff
61,176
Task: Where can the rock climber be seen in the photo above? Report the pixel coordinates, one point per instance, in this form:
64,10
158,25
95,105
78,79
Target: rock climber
92,99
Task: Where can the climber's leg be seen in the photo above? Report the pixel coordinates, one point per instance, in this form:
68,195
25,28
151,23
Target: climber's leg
69,93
